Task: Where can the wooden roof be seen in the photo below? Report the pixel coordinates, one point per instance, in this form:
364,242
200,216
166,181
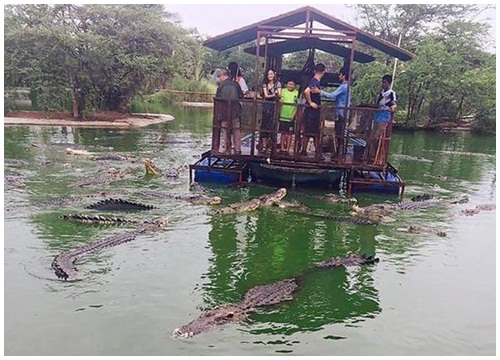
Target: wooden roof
298,17
293,45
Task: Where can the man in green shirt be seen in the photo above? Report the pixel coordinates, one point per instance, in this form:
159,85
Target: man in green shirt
289,97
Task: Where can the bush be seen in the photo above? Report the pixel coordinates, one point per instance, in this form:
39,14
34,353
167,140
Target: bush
485,121
182,90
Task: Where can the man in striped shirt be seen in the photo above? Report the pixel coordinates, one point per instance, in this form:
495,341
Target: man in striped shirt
386,103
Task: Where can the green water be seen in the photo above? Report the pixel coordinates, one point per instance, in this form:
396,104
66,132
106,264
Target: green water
428,295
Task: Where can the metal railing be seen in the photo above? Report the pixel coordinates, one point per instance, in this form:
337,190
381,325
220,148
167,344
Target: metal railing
252,129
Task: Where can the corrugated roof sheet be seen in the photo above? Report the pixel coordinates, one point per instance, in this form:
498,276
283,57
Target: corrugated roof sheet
297,17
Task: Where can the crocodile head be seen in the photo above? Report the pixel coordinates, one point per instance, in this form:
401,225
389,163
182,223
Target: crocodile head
272,199
334,198
153,225
151,169
210,320
216,200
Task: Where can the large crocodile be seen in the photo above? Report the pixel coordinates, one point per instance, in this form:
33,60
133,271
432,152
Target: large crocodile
415,229
63,264
258,297
115,157
98,219
71,200
336,199
379,210
194,199
15,162
152,169
246,206
100,180
345,219
350,260
478,209
292,204
250,205
273,198
119,205
14,179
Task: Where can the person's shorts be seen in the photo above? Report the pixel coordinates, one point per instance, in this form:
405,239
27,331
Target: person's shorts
311,121
287,126
235,123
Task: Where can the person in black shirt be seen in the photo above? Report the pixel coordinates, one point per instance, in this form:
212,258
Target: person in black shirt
312,113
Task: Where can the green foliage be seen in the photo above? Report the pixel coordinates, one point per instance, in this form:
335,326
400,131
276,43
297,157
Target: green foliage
102,54
189,90
451,76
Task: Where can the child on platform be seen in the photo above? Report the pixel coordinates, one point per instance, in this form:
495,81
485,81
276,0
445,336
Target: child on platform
289,97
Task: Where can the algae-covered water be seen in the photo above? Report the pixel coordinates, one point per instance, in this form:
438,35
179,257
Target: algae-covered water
427,295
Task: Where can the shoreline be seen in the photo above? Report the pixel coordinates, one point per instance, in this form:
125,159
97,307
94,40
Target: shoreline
130,121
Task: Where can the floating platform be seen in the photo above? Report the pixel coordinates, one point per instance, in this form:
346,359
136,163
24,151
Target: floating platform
217,170
294,175
213,169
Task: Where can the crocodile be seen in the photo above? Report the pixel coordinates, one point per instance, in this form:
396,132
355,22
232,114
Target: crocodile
414,229
250,205
14,179
336,199
478,209
377,210
75,152
259,297
194,186
63,264
345,219
119,205
115,157
350,260
113,175
98,219
12,173
77,199
273,198
292,204
414,158
194,199
15,162
151,169
443,178
421,197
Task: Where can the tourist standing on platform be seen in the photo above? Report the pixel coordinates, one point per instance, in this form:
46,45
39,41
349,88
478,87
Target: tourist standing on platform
235,75
386,104
228,112
289,98
312,113
272,93
340,97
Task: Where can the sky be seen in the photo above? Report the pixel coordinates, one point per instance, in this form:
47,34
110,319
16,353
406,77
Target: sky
214,19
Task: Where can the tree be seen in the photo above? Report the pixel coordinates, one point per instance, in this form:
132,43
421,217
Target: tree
103,53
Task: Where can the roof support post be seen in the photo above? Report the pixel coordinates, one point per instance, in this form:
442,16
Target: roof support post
348,98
